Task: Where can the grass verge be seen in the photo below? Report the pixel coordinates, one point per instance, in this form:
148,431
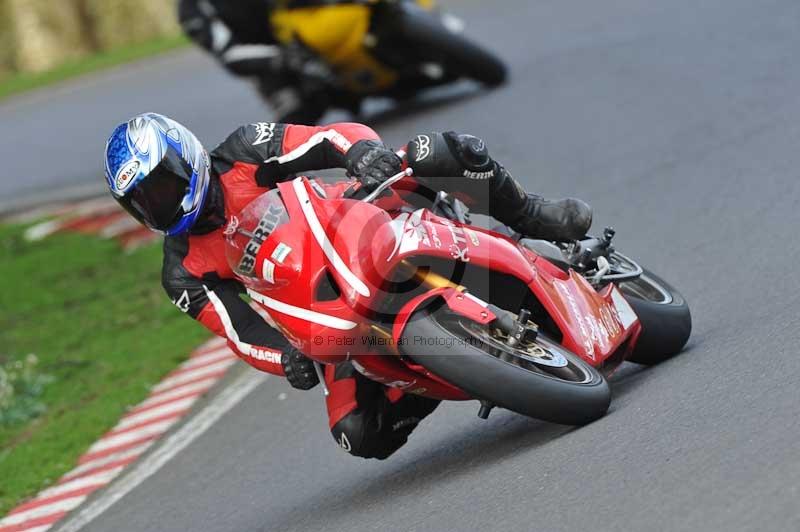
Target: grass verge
17,83
104,333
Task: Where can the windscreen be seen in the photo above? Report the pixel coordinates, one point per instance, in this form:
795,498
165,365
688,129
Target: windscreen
247,232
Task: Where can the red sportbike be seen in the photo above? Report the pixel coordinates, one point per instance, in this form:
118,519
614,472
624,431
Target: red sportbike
419,299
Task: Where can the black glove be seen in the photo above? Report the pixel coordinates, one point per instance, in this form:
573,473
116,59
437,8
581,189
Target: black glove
299,369
372,162
450,155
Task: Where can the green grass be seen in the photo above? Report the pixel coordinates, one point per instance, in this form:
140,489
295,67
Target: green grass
101,326
17,83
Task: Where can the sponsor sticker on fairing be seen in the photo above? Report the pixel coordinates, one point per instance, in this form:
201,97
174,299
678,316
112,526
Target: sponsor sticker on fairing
266,225
409,232
473,237
458,249
625,312
281,252
268,271
126,175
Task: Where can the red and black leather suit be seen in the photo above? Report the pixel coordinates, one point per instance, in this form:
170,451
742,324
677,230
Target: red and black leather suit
366,419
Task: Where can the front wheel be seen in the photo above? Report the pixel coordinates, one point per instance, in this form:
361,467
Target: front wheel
664,315
538,378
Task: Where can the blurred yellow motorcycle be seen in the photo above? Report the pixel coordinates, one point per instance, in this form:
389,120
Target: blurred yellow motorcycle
391,48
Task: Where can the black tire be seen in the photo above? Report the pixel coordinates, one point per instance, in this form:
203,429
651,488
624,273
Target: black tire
664,315
484,376
425,31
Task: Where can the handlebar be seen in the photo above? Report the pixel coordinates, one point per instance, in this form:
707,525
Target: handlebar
587,251
381,187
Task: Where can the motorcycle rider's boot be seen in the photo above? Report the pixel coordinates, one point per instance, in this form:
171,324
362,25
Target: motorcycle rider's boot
461,165
560,220
534,216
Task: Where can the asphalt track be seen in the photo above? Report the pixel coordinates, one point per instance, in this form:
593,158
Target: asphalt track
679,122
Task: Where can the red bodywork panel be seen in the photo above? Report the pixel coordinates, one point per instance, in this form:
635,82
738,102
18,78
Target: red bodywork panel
329,265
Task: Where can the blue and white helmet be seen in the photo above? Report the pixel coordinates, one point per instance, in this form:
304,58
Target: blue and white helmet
158,171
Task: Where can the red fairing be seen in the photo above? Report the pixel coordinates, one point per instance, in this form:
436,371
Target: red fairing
295,260
423,233
458,302
594,324
329,265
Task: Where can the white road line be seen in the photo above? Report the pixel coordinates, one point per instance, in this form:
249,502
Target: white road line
172,445
191,375
195,387
42,511
128,437
98,479
148,415
37,529
100,462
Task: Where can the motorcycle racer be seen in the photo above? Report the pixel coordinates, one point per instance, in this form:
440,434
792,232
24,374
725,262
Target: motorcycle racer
161,174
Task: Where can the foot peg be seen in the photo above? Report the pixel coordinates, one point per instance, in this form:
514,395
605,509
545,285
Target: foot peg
486,407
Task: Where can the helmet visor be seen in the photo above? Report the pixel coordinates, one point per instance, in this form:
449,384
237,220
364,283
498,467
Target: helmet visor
157,200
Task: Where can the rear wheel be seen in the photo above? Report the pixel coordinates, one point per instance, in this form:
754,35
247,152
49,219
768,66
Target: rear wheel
537,378
664,315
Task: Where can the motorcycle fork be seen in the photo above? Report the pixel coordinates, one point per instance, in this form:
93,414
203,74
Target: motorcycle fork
433,280
427,279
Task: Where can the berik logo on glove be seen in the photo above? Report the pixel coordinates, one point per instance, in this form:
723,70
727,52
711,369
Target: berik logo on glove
478,175
423,147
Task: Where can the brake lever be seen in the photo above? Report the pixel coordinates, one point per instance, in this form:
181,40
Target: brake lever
386,184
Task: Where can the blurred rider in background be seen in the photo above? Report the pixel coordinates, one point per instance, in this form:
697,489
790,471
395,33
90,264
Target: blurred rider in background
239,34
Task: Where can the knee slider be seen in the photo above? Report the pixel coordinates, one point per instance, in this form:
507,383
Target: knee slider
359,435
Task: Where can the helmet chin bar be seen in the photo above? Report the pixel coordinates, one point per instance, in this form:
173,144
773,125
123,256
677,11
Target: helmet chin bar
212,211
